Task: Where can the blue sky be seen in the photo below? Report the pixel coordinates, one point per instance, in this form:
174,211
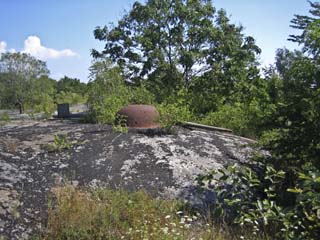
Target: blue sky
61,31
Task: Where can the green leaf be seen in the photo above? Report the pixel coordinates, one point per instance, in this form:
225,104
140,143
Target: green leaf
295,190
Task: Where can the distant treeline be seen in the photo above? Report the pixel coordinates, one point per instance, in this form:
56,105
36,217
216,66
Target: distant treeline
25,85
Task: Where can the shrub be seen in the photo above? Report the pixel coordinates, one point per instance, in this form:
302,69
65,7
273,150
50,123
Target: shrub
251,197
141,95
109,92
173,114
44,105
244,119
232,117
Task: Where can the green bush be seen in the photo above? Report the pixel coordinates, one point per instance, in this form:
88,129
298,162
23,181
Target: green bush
109,92
251,197
105,111
244,119
43,104
304,218
141,95
232,117
173,114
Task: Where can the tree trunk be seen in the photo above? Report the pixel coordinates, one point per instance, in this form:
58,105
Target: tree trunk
21,110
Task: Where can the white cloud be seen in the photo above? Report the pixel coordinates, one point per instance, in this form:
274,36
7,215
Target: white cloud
32,45
3,46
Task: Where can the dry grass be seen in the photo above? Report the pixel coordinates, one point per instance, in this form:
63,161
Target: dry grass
104,214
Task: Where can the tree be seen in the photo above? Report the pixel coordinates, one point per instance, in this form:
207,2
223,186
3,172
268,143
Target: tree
310,26
67,84
280,191
23,64
170,43
70,90
18,70
41,95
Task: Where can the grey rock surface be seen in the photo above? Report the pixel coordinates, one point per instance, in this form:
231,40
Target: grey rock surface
163,165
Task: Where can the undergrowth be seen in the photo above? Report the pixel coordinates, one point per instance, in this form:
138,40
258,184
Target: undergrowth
105,214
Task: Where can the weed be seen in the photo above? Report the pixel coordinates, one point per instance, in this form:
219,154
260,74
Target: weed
120,124
60,142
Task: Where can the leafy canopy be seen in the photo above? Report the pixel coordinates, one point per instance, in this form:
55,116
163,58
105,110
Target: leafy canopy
170,43
18,74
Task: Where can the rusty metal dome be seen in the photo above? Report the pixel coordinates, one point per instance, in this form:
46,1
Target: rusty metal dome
140,116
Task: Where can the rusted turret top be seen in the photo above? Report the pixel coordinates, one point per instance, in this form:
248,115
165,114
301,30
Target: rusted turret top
140,116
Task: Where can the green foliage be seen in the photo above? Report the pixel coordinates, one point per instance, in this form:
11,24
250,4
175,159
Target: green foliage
108,93
70,90
23,64
279,193
120,124
232,117
170,44
106,113
245,196
141,95
244,119
69,97
249,197
60,142
24,83
305,216
19,71
173,114
72,85
40,98
310,36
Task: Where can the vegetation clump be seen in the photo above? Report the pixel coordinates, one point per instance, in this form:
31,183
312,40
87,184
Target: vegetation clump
107,214
60,142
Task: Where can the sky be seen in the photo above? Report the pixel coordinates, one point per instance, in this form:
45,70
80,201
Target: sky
60,32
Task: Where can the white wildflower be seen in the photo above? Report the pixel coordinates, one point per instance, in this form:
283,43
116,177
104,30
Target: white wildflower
165,230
